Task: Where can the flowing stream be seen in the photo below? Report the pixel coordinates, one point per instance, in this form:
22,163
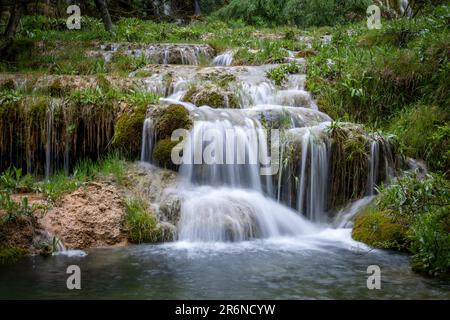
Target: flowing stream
242,233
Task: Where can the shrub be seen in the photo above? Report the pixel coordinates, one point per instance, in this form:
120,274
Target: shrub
412,214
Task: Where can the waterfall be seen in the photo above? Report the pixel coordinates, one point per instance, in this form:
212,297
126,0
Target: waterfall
236,215
224,59
313,178
373,166
405,8
197,9
239,183
49,146
148,139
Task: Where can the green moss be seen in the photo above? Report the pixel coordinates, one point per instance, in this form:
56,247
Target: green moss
8,85
142,225
143,73
128,131
212,97
57,89
163,153
378,229
170,119
11,254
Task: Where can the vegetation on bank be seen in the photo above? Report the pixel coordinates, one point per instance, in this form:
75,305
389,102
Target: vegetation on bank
394,79
143,225
411,214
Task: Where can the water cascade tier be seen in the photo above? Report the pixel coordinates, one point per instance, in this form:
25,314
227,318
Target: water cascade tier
260,160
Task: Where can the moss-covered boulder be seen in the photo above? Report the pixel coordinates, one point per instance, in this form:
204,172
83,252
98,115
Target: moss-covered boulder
212,96
170,119
128,131
163,153
57,88
380,229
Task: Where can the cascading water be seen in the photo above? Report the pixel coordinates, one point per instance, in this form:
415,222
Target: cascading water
373,166
48,145
185,54
197,10
224,59
225,196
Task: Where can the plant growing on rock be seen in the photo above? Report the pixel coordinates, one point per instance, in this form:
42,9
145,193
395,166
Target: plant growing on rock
142,224
279,74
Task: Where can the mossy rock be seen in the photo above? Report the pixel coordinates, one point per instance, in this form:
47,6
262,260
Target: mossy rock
163,153
10,254
8,84
170,119
143,73
57,88
213,97
128,131
103,83
379,229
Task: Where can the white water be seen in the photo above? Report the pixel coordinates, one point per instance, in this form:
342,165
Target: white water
223,202
224,59
212,215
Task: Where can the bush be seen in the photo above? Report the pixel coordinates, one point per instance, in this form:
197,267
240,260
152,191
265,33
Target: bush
425,134
413,215
431,242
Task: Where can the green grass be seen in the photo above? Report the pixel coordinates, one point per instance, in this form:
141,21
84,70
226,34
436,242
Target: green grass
59,183
394,79
141,223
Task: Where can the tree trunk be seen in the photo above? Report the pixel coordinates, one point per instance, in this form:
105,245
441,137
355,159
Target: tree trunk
17,11
101,6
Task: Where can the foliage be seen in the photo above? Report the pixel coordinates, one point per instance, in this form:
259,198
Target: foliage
279,74
411,214
59,184
302,13
141,223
